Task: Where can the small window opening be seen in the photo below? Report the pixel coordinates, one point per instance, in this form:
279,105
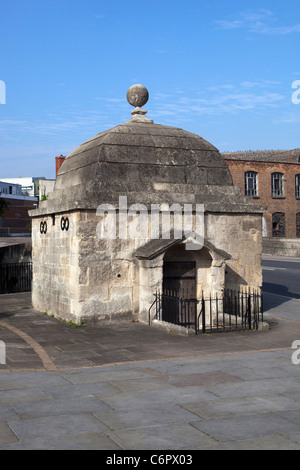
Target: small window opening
298,225
297,186
277,185
251,183
278,224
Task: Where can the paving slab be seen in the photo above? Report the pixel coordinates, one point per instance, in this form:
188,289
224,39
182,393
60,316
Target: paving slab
154,415
61,406
183,380
14,396
173,436
291,415
270,442
54,426
7,436
294,437
242,406
80,390
87,441
245,427
253,388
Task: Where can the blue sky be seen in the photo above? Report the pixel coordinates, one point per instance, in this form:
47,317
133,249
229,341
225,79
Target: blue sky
221,69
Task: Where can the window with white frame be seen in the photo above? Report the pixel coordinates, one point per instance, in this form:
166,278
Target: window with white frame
251,186
297,186
277,185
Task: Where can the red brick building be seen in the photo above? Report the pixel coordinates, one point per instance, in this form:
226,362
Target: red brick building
15,220
272,179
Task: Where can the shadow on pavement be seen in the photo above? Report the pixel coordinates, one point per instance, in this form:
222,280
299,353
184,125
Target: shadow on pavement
275,295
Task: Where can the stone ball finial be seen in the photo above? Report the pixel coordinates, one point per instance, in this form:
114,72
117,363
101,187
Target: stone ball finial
137,95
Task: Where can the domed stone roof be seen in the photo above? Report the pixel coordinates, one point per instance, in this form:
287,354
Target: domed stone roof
147,162
143,153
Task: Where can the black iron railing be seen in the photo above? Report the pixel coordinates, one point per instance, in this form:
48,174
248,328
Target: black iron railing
231,310
228,311
170,307
15,277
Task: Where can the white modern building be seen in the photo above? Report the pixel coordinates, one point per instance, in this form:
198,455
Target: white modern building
29,184
10,189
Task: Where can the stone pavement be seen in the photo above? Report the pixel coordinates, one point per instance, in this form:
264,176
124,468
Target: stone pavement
132,387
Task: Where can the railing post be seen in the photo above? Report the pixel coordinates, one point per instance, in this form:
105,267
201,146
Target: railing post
203,316
217,311
210,316
261,306
149,311
195,317
249,310
223,307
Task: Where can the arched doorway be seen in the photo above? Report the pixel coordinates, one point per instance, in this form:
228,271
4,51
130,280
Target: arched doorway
179,286
169,271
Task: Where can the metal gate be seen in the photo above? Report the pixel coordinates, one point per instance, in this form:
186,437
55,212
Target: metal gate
172,308
15,277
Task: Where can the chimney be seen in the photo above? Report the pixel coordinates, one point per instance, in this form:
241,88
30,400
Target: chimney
58,163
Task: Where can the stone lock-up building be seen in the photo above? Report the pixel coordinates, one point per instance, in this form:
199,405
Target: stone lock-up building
100,250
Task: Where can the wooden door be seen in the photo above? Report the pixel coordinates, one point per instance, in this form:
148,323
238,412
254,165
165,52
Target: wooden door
179,285
181,277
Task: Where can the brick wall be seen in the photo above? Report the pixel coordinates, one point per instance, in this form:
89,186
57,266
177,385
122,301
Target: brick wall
16,217
58,163
289,204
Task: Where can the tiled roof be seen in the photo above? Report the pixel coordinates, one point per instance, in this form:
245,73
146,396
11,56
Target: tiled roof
285,156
